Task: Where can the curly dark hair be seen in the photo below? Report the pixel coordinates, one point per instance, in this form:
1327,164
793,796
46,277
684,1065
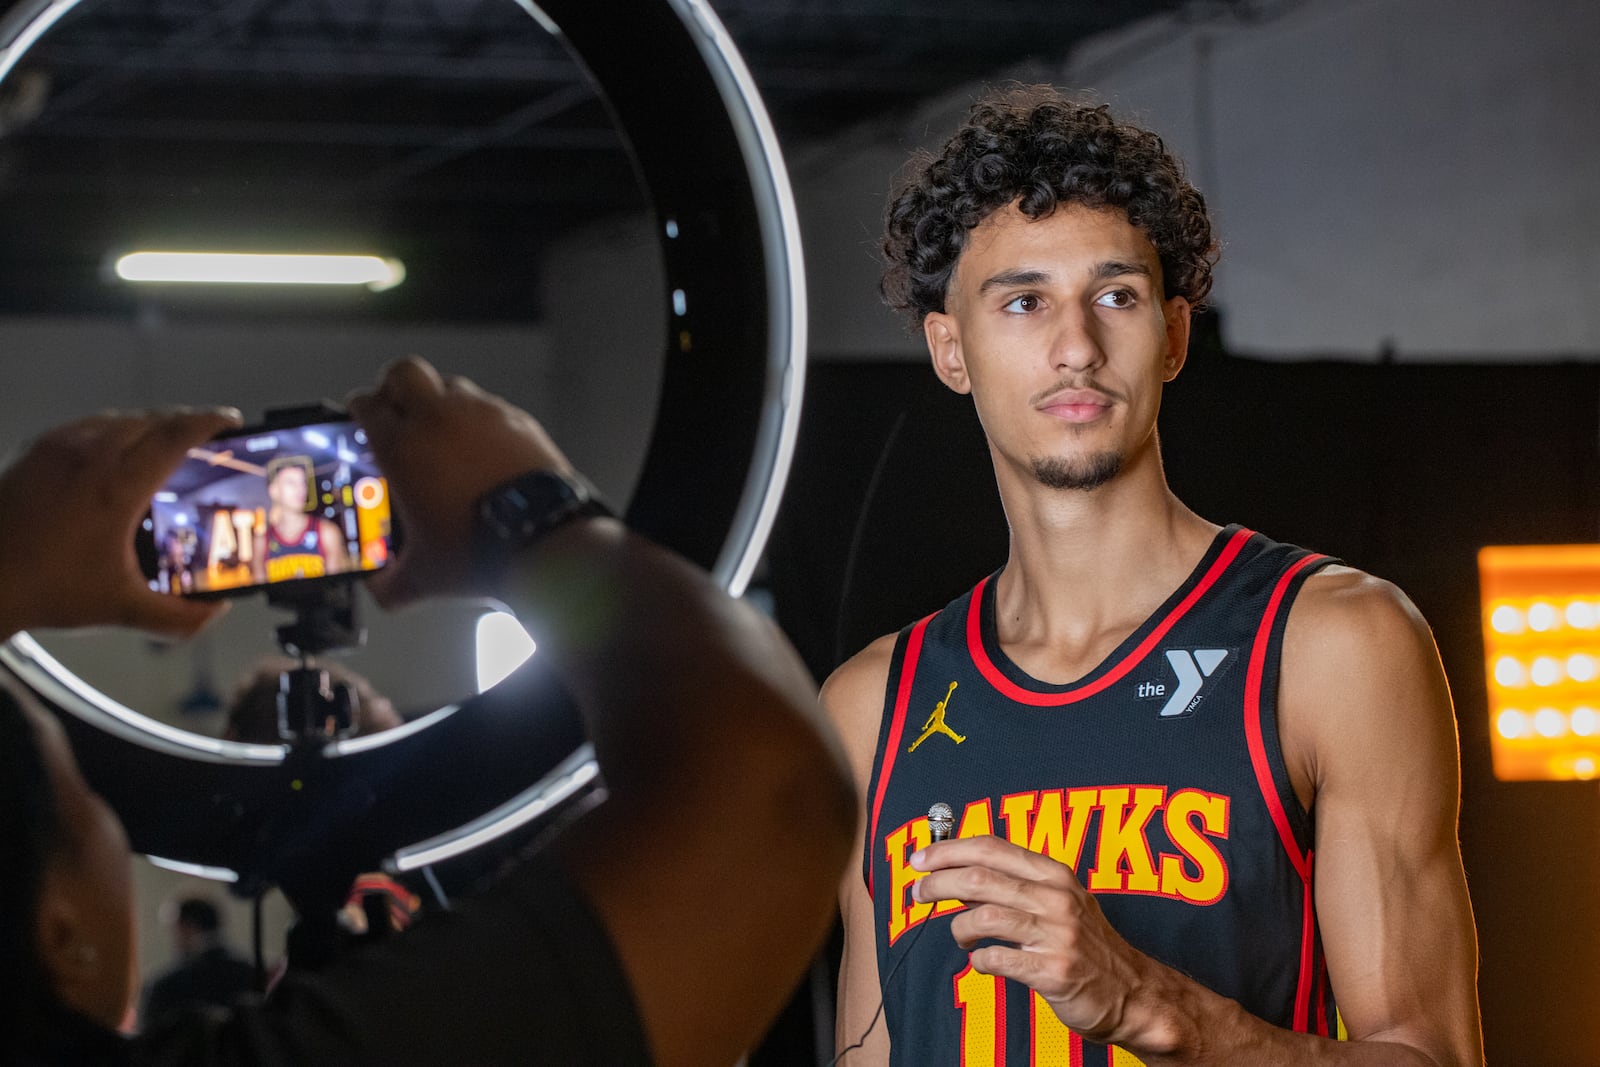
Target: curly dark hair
1032,146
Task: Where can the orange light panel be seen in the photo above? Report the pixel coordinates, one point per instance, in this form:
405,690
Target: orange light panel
1541,645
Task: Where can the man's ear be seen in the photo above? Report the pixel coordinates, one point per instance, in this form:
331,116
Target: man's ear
1177,314
944,347
66,959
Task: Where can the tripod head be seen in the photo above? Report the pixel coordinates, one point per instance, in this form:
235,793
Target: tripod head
312,708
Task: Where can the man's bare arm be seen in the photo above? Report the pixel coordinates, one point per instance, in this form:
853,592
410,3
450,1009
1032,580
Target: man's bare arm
333,538
1365,713
258,557
713,859
853,702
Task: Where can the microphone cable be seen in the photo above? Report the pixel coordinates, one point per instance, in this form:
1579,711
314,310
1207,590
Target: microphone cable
941,821
862,1040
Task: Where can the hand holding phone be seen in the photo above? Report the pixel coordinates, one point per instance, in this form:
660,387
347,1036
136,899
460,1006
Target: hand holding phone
445,442
292,500
70,505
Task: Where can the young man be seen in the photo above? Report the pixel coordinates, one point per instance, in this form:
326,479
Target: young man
1205,786
296,542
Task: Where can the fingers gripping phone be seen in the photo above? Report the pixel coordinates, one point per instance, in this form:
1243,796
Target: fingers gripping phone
295,499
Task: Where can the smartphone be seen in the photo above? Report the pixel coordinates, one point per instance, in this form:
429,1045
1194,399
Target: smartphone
297,499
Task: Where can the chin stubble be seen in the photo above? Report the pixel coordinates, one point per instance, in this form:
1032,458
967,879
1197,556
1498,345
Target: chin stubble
1087,472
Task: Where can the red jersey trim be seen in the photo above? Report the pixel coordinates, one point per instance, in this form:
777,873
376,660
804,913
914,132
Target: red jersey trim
902,700
1252,720
991,673
297,547
1000,1014
1308,939
1319,1000
1269,789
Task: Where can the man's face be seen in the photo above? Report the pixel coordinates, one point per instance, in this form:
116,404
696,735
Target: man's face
1059,330
288,488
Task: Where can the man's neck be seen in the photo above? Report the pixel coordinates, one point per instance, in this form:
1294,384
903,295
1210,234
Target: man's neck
290,525
1087,567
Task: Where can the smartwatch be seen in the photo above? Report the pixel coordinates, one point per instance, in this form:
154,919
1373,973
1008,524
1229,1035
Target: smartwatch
526,509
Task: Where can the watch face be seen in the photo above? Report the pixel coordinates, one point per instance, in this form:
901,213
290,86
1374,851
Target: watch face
524,510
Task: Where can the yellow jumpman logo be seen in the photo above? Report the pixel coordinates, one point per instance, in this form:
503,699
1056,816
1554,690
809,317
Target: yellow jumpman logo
936,723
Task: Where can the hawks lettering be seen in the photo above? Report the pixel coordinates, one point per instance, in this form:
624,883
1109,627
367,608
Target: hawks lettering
1124,864
1128,855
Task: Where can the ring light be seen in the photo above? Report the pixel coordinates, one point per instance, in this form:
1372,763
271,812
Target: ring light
713,474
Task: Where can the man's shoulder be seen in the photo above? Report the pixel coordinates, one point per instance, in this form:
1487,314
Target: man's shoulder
1347,624
205,971
852,698
1342,603
174,976
224,961
859,681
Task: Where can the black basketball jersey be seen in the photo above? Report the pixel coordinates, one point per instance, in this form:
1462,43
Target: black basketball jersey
1157,777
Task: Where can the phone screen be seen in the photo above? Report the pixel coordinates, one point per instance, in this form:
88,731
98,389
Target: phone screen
263,506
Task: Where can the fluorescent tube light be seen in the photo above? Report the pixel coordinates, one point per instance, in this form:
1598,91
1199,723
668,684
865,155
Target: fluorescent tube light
236,268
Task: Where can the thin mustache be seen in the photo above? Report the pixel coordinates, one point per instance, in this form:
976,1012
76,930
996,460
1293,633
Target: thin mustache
1088,385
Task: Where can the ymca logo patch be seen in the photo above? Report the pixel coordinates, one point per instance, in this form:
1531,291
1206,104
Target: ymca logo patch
1193,668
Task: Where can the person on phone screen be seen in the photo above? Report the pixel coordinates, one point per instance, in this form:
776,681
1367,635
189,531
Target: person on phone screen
297,542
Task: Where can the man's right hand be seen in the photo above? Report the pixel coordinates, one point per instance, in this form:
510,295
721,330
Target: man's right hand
442,443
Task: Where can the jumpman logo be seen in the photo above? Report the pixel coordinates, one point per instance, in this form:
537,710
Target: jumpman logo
936,723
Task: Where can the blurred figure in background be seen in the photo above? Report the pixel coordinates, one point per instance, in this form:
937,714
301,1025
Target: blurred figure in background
207,971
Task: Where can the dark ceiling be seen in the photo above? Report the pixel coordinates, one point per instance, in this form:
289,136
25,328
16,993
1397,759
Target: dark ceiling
456,135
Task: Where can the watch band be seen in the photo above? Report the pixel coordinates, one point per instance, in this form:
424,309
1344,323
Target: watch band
525,510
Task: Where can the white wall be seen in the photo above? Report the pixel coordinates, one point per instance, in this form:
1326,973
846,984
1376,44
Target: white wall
57,368
1421,173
